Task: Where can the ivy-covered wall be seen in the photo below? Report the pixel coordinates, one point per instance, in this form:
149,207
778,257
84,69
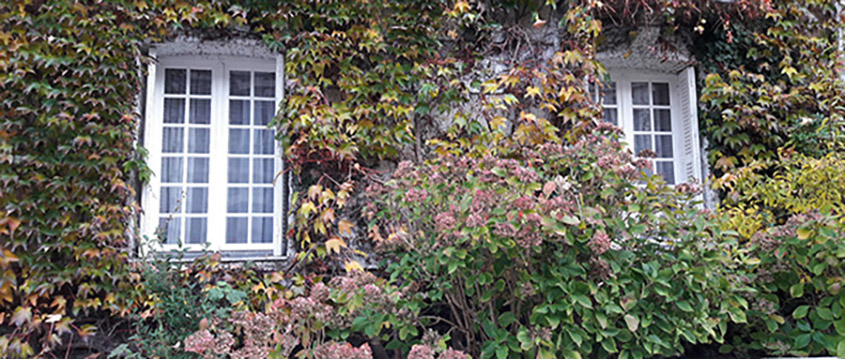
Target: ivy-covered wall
367,79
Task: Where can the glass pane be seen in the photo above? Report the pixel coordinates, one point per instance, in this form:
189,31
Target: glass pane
263,170
663,146
667,171
171,170
239,112
200,111
239,83
236,230
262,230
660,92
238,170
174,110
593,92
663,120
197,230
641,143
263,142
170,200
201,82
172,141
639,93
642,119
608,93
262,200
197,170
265,84
264,111
174,81
237,200
610,116
197,200
169,229
238,141
198,139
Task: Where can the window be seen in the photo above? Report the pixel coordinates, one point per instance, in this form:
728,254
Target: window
657,113
215,158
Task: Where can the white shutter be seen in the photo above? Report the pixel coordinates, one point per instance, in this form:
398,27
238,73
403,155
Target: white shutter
688,159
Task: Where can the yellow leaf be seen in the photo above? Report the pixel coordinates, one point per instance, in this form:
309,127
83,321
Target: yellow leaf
353,266
334,244
461,6
532,91
345,227
804,233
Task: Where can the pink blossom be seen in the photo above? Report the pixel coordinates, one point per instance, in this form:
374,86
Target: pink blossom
453,354
525,174
475,220
416,196
199,342
524,203
600,243
444,221
421,352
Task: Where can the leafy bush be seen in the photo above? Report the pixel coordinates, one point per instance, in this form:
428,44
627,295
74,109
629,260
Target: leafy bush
798,309
556,251
790,214
178,298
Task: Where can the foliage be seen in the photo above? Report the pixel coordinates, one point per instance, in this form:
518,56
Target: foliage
798,306
768,192
773,82
556,251
176,300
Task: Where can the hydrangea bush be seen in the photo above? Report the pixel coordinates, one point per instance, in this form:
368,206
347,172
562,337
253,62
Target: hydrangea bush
557,251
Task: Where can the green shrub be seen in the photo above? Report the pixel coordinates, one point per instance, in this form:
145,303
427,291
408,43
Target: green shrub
557,251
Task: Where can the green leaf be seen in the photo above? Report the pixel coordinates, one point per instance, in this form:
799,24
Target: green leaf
840,326
632,322
824,313
583,300
684,305
609,345
800,312
797,290
506,319
802,341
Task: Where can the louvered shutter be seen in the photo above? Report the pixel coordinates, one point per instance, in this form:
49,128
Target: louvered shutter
686,131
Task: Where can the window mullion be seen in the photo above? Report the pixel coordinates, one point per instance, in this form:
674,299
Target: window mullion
217,166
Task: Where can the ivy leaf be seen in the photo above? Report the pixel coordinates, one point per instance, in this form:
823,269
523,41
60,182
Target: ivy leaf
21,316
345,227
334,244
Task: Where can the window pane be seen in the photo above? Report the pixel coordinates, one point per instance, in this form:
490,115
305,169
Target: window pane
174,110
174,81
197,200
642,119
641,143
239,112
200,111
170,200
238,170
663,120
610,116
198,139
171,170
660,93
172,141
236,230
198,170
265,85
262,200
263,142
262,230
667,171
197,230
608,93
238,141
663,146
263,170
201,82
169,229
264,111
239,83
639,93
237,200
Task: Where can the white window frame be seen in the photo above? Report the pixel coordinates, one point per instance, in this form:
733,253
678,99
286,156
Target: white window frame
230,58
684,118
